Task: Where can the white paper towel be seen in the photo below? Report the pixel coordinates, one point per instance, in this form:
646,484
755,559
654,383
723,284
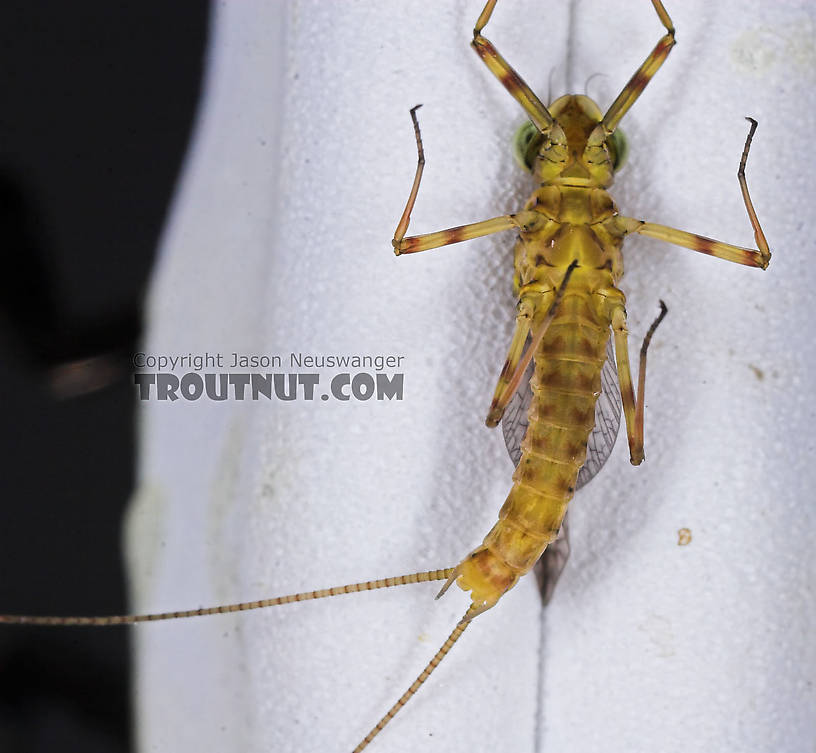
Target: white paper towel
280,243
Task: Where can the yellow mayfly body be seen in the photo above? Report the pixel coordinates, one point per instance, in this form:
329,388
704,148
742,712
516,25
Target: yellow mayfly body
567,267
568,263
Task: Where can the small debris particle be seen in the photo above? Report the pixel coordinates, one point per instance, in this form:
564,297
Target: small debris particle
758,373
684,537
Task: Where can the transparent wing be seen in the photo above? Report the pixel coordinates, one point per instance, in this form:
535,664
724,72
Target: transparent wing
599,446
607,420
549,567
514,421
604,433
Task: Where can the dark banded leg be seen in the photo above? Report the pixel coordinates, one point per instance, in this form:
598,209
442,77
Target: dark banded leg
510,367
509,381
633,410
415,243
502,70
643,75
748,256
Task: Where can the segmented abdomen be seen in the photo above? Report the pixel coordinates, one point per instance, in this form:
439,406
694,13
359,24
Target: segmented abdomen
566,384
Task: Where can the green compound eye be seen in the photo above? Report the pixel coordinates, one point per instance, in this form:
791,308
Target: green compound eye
526,142
618,149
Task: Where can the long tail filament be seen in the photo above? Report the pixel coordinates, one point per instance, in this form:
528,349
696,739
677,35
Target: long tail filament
424,675
130,619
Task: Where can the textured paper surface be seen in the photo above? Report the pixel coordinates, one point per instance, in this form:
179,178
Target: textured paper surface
280,242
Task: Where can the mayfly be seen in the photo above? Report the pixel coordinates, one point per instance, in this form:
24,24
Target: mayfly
568,263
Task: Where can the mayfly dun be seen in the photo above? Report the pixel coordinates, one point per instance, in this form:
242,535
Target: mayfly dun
568,263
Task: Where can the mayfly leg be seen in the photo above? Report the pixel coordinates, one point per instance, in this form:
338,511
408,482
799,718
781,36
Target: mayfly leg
427,241
750,257
502,70
514,367
634,88
633,409
511,365
535,109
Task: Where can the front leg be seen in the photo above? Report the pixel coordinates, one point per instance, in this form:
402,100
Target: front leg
502,70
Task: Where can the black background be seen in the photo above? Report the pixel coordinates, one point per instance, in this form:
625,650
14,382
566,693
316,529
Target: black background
97,102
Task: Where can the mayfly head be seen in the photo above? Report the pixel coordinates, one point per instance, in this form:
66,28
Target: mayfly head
576,150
